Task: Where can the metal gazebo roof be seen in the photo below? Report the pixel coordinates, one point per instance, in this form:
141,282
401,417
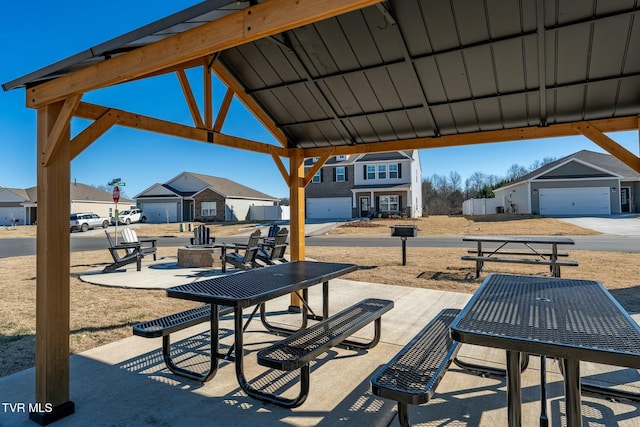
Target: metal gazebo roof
404,69
335,77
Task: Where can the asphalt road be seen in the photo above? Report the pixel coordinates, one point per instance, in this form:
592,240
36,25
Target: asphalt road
80,242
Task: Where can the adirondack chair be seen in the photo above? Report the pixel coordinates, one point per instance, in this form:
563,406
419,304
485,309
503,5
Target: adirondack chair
202,236
273,253
129,236
131,253
248,260
271,234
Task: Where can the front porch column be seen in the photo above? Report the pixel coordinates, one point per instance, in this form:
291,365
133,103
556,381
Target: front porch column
296,200
52,271
372,203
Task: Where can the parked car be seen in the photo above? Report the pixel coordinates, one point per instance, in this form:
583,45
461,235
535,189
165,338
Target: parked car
87,221
131,216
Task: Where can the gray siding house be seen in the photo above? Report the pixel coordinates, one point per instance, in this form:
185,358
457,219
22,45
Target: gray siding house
366,185
21,205
196,197
584,183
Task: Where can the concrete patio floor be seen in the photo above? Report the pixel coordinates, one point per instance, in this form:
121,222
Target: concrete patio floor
125,383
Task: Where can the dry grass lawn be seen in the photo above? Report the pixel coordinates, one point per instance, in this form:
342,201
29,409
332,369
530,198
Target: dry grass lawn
100,315
441,225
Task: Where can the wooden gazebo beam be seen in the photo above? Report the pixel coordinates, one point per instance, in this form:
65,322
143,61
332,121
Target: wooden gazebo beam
505,135
252,23
225,77
618,151
137,121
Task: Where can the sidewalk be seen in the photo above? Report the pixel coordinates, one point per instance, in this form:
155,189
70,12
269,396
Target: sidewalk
126,382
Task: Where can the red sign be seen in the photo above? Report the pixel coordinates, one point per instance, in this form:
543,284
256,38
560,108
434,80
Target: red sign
116,194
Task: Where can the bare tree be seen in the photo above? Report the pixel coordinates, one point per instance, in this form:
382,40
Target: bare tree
474,184
516,171
455,180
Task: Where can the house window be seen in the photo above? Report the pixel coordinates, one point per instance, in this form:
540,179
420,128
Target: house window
208,209
317,177
382,171
389,203
340,175
371,171
393,171
340,158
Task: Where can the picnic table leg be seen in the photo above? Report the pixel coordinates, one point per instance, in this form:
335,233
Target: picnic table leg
514,398
555,268
288,331
325,300
213,364
223,256
259,394
572,392
479,264
544,419
403,414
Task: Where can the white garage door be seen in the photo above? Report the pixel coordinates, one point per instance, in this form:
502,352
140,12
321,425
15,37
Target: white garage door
160,212
329,207
7,214
575,201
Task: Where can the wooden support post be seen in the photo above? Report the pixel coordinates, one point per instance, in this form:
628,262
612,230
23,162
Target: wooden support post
296,199
52,271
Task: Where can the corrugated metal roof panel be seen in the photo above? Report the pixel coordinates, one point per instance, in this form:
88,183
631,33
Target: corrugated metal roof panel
412,68
191,17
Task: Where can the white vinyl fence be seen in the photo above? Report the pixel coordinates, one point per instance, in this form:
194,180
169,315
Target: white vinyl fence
268,213
482,206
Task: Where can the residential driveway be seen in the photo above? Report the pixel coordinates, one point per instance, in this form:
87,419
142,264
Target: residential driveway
621,225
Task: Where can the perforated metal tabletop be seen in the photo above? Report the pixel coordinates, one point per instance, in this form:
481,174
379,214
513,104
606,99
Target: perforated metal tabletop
249,288
565,318
574,320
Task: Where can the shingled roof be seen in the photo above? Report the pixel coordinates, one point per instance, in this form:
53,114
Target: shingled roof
79,192
600,160
229,188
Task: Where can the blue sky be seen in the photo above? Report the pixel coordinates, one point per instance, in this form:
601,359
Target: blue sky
36,33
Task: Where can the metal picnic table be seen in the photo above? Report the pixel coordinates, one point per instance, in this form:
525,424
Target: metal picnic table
253,288
541,250
572,320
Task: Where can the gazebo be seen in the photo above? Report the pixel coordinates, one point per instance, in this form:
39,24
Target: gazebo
328,78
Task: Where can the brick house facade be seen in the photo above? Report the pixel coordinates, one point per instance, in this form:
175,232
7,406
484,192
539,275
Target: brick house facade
196,197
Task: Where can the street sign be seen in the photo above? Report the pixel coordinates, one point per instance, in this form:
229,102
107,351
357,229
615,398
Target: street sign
114,181
116,194
121,184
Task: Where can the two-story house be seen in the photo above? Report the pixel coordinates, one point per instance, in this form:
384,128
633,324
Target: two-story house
365,185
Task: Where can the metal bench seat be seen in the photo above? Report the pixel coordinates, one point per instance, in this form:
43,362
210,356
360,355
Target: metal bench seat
302,347
165,326
554,264
411,377
521,260
298,350
490,252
